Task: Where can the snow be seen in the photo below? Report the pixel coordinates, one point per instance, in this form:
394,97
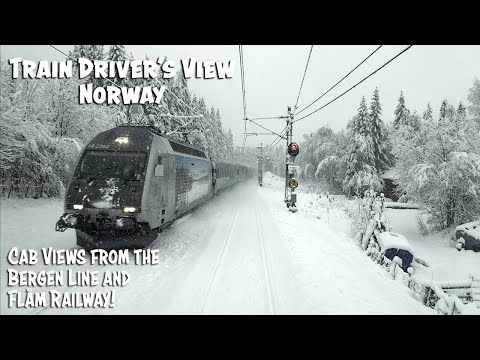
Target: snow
103,204
391,240
241,253
397,205
471,228
445,262
389,174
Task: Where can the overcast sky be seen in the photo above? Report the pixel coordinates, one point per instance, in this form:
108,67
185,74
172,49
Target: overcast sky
273,74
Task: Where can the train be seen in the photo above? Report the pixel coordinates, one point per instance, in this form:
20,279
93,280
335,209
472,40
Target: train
131,182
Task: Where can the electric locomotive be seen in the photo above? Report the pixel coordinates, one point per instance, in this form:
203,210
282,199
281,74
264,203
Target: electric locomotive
131,181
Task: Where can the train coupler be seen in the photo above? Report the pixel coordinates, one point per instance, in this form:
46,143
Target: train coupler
67,221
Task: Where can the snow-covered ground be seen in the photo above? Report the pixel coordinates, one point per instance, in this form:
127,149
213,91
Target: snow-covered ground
241,253
445,261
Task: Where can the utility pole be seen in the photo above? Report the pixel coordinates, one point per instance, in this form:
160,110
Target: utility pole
260,165
290,172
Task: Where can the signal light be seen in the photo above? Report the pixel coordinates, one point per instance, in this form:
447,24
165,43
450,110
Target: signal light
293,183
293,149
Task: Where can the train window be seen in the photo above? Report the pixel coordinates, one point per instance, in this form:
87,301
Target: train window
112,164
160,160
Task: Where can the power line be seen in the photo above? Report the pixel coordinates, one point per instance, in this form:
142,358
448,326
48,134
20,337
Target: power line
115,84
351,71
276,141
339,96
263,127
266,118
242,73
304,73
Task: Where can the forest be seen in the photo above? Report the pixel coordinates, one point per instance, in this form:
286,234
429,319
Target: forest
434,158
44,127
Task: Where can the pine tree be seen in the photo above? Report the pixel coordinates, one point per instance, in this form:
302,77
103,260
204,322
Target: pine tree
428,114
117,53
401,112
443,111
461,111
92,53
378,135
474,99
230,145
361,124
360,159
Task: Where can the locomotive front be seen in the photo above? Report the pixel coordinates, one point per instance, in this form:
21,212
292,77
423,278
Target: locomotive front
103,201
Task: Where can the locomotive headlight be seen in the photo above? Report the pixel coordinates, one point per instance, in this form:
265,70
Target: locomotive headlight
77,207
293,183
121,140
130,209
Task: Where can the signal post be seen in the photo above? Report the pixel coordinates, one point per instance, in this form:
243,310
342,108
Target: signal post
291,182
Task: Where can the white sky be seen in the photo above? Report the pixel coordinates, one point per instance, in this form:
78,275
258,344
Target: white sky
273,73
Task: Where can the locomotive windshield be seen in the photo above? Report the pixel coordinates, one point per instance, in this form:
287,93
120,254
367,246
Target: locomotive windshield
113,164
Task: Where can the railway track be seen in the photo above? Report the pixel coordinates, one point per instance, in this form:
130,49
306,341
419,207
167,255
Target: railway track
258,251
218,264
266,266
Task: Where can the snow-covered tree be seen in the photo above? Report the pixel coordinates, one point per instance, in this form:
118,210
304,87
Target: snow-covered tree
90,52
443,111
439,167
462,111
308,173
428,113
327,170
474,99
116,53
378,135
361,173
361,122
401,112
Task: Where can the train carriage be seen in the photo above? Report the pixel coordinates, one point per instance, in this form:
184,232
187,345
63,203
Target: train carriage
131,181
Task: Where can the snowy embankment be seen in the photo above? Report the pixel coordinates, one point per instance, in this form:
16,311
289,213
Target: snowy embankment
335,275
241,253
445,262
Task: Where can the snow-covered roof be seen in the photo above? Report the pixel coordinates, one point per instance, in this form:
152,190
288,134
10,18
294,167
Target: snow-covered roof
391,240
471,228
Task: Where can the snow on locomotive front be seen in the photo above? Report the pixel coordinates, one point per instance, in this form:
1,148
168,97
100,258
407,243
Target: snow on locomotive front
119,190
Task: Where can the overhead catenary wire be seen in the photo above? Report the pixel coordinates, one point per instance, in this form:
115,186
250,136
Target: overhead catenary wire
263,127
351,71
197,115
365,78
266,118
303,79
242,75
275,141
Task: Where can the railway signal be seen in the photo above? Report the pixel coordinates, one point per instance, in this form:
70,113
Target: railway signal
291,182
293,149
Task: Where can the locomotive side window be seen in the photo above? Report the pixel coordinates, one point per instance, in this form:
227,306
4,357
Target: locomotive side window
160,160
